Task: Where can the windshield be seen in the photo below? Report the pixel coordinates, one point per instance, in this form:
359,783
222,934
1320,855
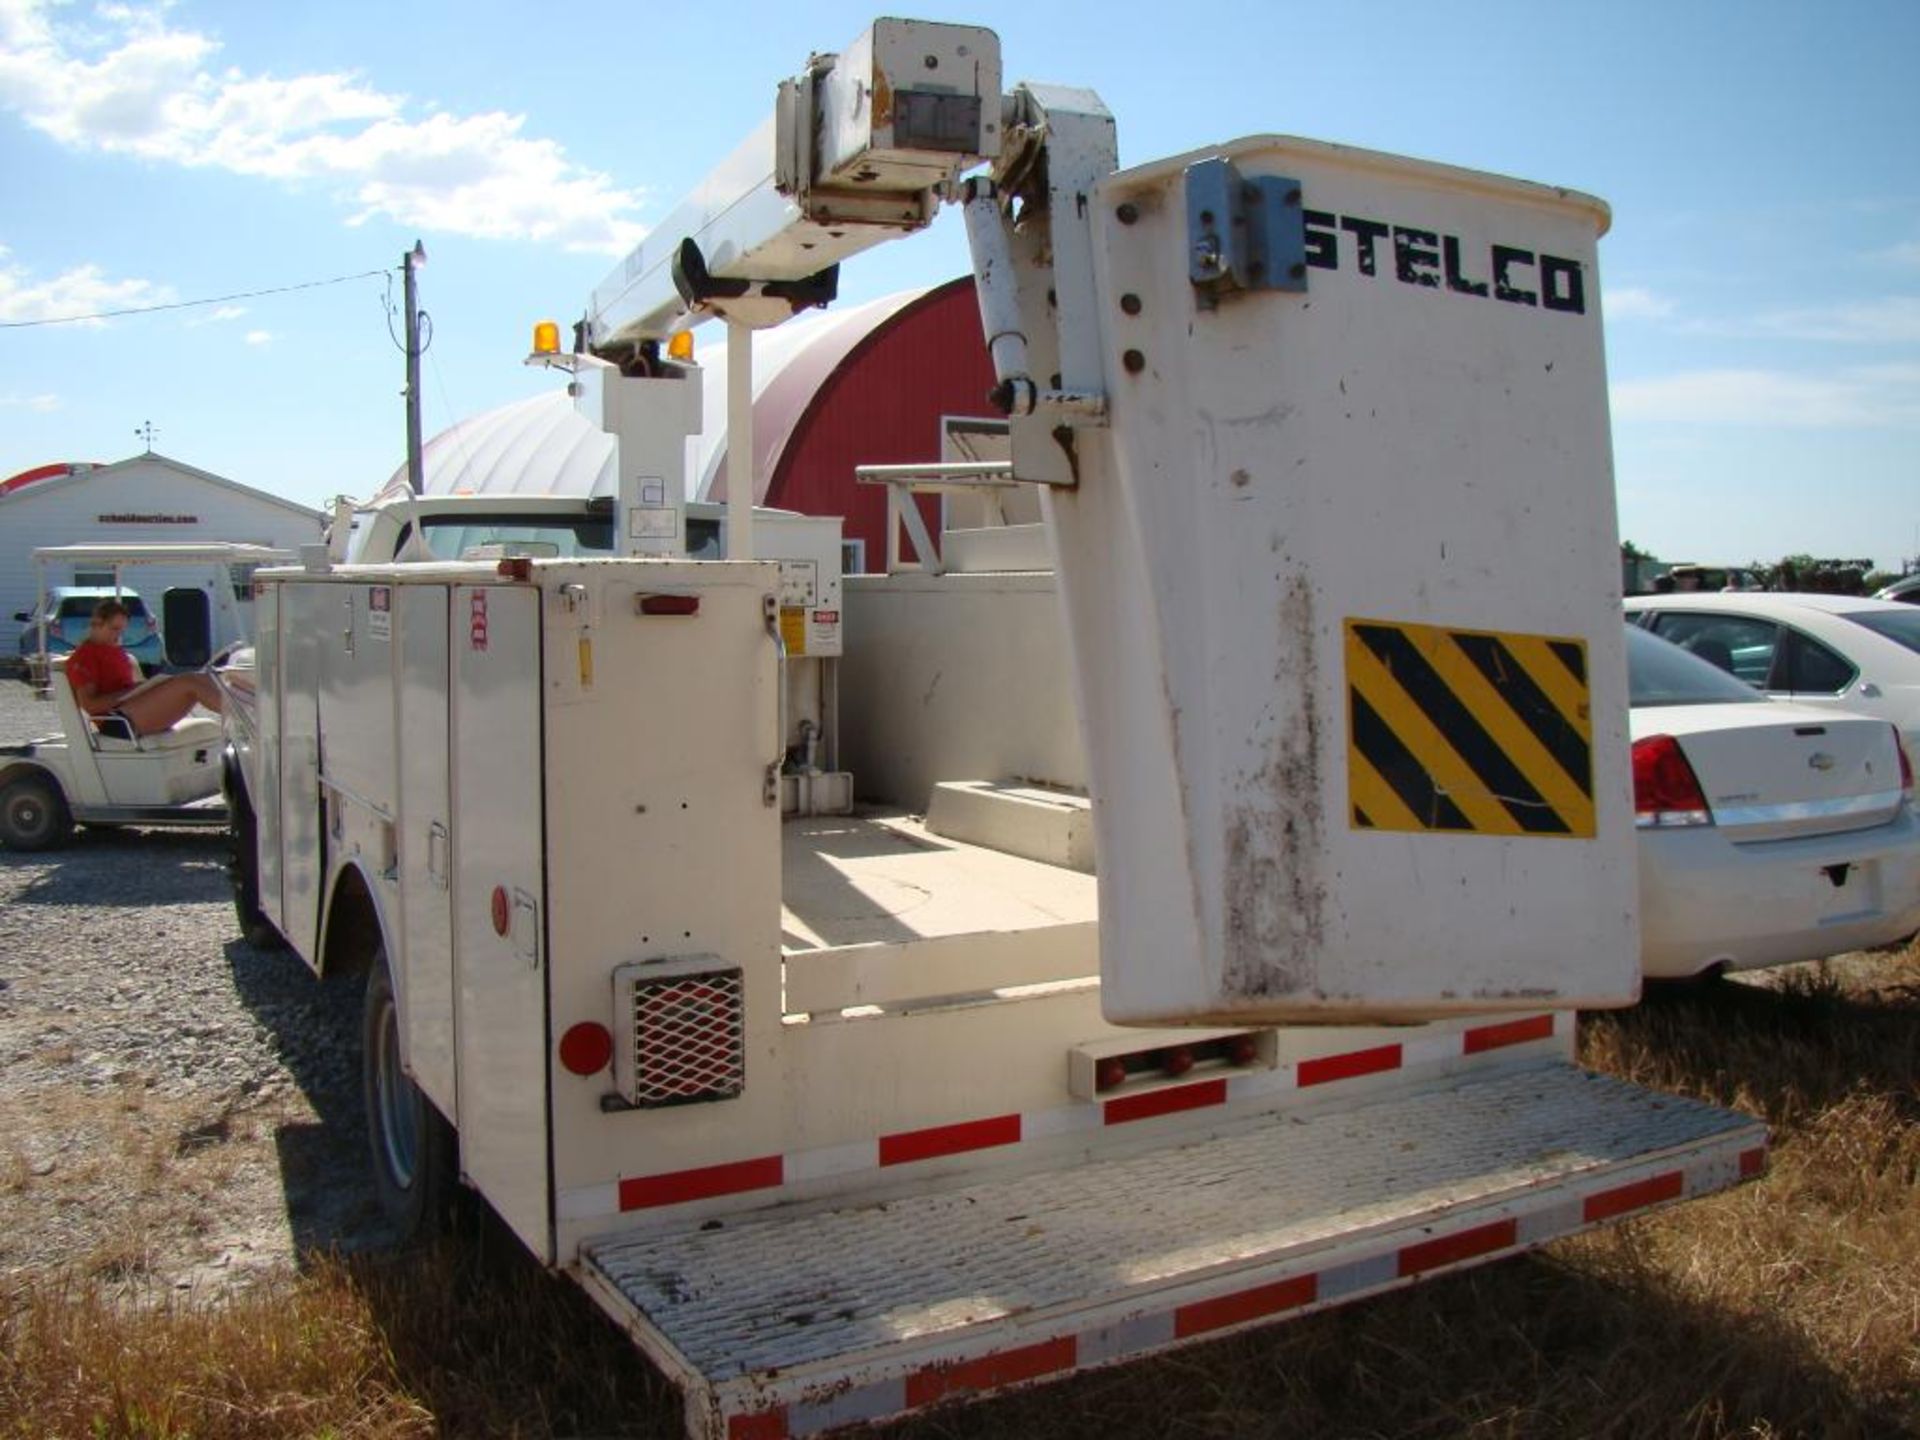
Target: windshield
1900,626
451,536
1662,674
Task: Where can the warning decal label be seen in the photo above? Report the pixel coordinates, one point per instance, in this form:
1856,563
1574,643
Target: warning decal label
1467,731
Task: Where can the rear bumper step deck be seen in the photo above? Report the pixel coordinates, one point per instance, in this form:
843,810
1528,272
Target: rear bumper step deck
796,1321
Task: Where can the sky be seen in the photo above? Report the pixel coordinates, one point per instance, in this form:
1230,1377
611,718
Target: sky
1761,282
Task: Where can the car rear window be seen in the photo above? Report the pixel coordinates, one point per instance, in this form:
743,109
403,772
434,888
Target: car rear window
1900,626
1660,673
80,607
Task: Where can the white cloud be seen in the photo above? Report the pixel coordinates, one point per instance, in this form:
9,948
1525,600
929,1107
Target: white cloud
218,316
134,85
40,404
259,337
1882,396
1885,320
1906,254
81,290
1632,302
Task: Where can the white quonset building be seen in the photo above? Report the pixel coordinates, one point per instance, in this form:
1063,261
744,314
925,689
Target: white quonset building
145,499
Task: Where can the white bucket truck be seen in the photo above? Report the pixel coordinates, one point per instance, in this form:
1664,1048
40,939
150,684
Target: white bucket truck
839,1116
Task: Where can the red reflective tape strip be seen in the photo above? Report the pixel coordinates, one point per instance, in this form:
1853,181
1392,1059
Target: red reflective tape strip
1448,1249
990,1372
1636,1196
1204,1315
1350,1065
1753,1162
644,1191
762,1425
1166,1102
1513,1032
939,1140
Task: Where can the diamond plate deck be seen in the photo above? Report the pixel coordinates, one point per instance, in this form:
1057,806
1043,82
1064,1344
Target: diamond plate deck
848,1292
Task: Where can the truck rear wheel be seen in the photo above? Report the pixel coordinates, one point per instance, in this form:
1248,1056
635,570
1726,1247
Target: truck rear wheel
33,814
413,1146
243,867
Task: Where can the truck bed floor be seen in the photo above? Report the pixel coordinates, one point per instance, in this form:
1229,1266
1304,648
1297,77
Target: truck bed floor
882,877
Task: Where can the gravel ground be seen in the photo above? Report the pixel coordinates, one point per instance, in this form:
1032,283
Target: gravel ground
175,1104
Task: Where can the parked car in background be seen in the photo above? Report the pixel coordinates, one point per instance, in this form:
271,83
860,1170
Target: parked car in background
1769,831
1689,578
1906,590
1833,652
65,616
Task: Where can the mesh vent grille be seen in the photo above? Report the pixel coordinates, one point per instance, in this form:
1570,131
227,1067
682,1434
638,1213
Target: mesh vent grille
689,1038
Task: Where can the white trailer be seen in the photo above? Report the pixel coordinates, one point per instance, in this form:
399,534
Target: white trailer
840,1116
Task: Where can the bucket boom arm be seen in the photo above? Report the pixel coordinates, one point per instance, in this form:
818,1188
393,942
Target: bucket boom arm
862,147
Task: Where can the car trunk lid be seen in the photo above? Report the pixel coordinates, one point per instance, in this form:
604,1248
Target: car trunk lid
1773,772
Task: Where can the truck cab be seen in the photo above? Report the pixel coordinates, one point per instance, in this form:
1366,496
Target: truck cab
446,527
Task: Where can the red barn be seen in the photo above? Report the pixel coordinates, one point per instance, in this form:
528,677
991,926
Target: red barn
879,383
875,385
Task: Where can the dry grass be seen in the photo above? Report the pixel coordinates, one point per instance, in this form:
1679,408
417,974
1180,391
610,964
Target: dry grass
1790,1307
107,1169
466,1339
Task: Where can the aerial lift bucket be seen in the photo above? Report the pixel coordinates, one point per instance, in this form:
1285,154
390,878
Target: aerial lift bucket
1357,458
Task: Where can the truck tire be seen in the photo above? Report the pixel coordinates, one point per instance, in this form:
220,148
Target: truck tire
33,814
243,867
413,1147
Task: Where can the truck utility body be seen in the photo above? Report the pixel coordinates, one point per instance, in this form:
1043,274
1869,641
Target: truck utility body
851,1151
844,1110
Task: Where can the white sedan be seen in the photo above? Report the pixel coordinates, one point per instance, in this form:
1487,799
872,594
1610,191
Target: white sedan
1769,831
1836,652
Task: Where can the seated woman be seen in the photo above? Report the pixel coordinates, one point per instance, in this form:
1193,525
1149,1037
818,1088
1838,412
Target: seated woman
106,681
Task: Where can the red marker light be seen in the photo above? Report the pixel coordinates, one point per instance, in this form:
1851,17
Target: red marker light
669,604
1243,1050
502,911
1109,1072
1176,1061
586,1048
515,567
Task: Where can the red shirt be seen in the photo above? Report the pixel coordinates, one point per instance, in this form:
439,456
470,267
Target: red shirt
107,668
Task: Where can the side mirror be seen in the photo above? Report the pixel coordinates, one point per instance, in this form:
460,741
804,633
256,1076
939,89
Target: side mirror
24,617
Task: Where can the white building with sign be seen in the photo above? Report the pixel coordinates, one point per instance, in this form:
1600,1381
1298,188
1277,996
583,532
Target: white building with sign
147,498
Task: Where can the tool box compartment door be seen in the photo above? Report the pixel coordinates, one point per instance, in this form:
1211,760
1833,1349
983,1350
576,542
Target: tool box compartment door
499,904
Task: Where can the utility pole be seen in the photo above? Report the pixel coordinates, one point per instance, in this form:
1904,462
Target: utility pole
410,263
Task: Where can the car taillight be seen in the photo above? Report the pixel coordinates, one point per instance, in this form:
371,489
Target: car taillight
1665,789
1906,765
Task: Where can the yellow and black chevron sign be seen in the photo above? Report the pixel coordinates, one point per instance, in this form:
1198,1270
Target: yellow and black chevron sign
1467,731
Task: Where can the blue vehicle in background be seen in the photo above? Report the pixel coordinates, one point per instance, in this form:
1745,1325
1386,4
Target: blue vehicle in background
66,615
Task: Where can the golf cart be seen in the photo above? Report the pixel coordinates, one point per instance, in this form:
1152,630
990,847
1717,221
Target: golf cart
200,608
96,771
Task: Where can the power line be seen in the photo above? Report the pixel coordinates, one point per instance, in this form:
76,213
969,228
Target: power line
190,304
